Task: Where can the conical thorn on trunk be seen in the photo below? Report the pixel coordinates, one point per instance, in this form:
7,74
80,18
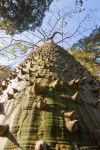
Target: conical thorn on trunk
36,89
56,84
20,79
74,97
3,129
13,75
41,145
71,82
23,72
3,87
10,96
41,105
15,90
1,105
69,115
71,125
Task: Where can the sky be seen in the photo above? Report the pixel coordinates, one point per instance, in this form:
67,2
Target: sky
92,11
87,16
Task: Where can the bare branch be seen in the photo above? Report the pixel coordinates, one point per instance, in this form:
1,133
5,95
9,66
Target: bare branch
7,47
57,32
67,43
39,42
16,40
62,31
74,32
81,34
43,32
54,25
36,35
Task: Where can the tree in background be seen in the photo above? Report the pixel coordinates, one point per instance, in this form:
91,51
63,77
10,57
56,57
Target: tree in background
21,15
87,51
91,42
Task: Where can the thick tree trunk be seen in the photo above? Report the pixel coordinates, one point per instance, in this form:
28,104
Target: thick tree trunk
53,102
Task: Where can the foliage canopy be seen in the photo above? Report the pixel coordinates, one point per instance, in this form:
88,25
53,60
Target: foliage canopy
87,50
20,15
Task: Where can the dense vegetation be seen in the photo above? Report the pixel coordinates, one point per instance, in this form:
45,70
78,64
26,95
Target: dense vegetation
87,51
20,15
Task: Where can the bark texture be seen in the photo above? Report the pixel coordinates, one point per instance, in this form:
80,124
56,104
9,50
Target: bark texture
52,98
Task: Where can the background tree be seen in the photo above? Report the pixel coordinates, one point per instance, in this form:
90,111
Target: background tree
87,51
20,15
89,43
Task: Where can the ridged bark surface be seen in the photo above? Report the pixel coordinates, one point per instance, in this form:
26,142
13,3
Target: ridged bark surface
52,98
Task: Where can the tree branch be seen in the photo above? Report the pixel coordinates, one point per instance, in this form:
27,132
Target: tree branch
57,32
74,32
43,32
16,40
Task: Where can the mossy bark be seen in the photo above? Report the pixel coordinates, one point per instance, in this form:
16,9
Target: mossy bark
28,124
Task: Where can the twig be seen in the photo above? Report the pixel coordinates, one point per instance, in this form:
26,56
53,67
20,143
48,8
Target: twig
35,35
81,34
43,32
54,25
57,32
62,32
7,47
16,40
74,32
